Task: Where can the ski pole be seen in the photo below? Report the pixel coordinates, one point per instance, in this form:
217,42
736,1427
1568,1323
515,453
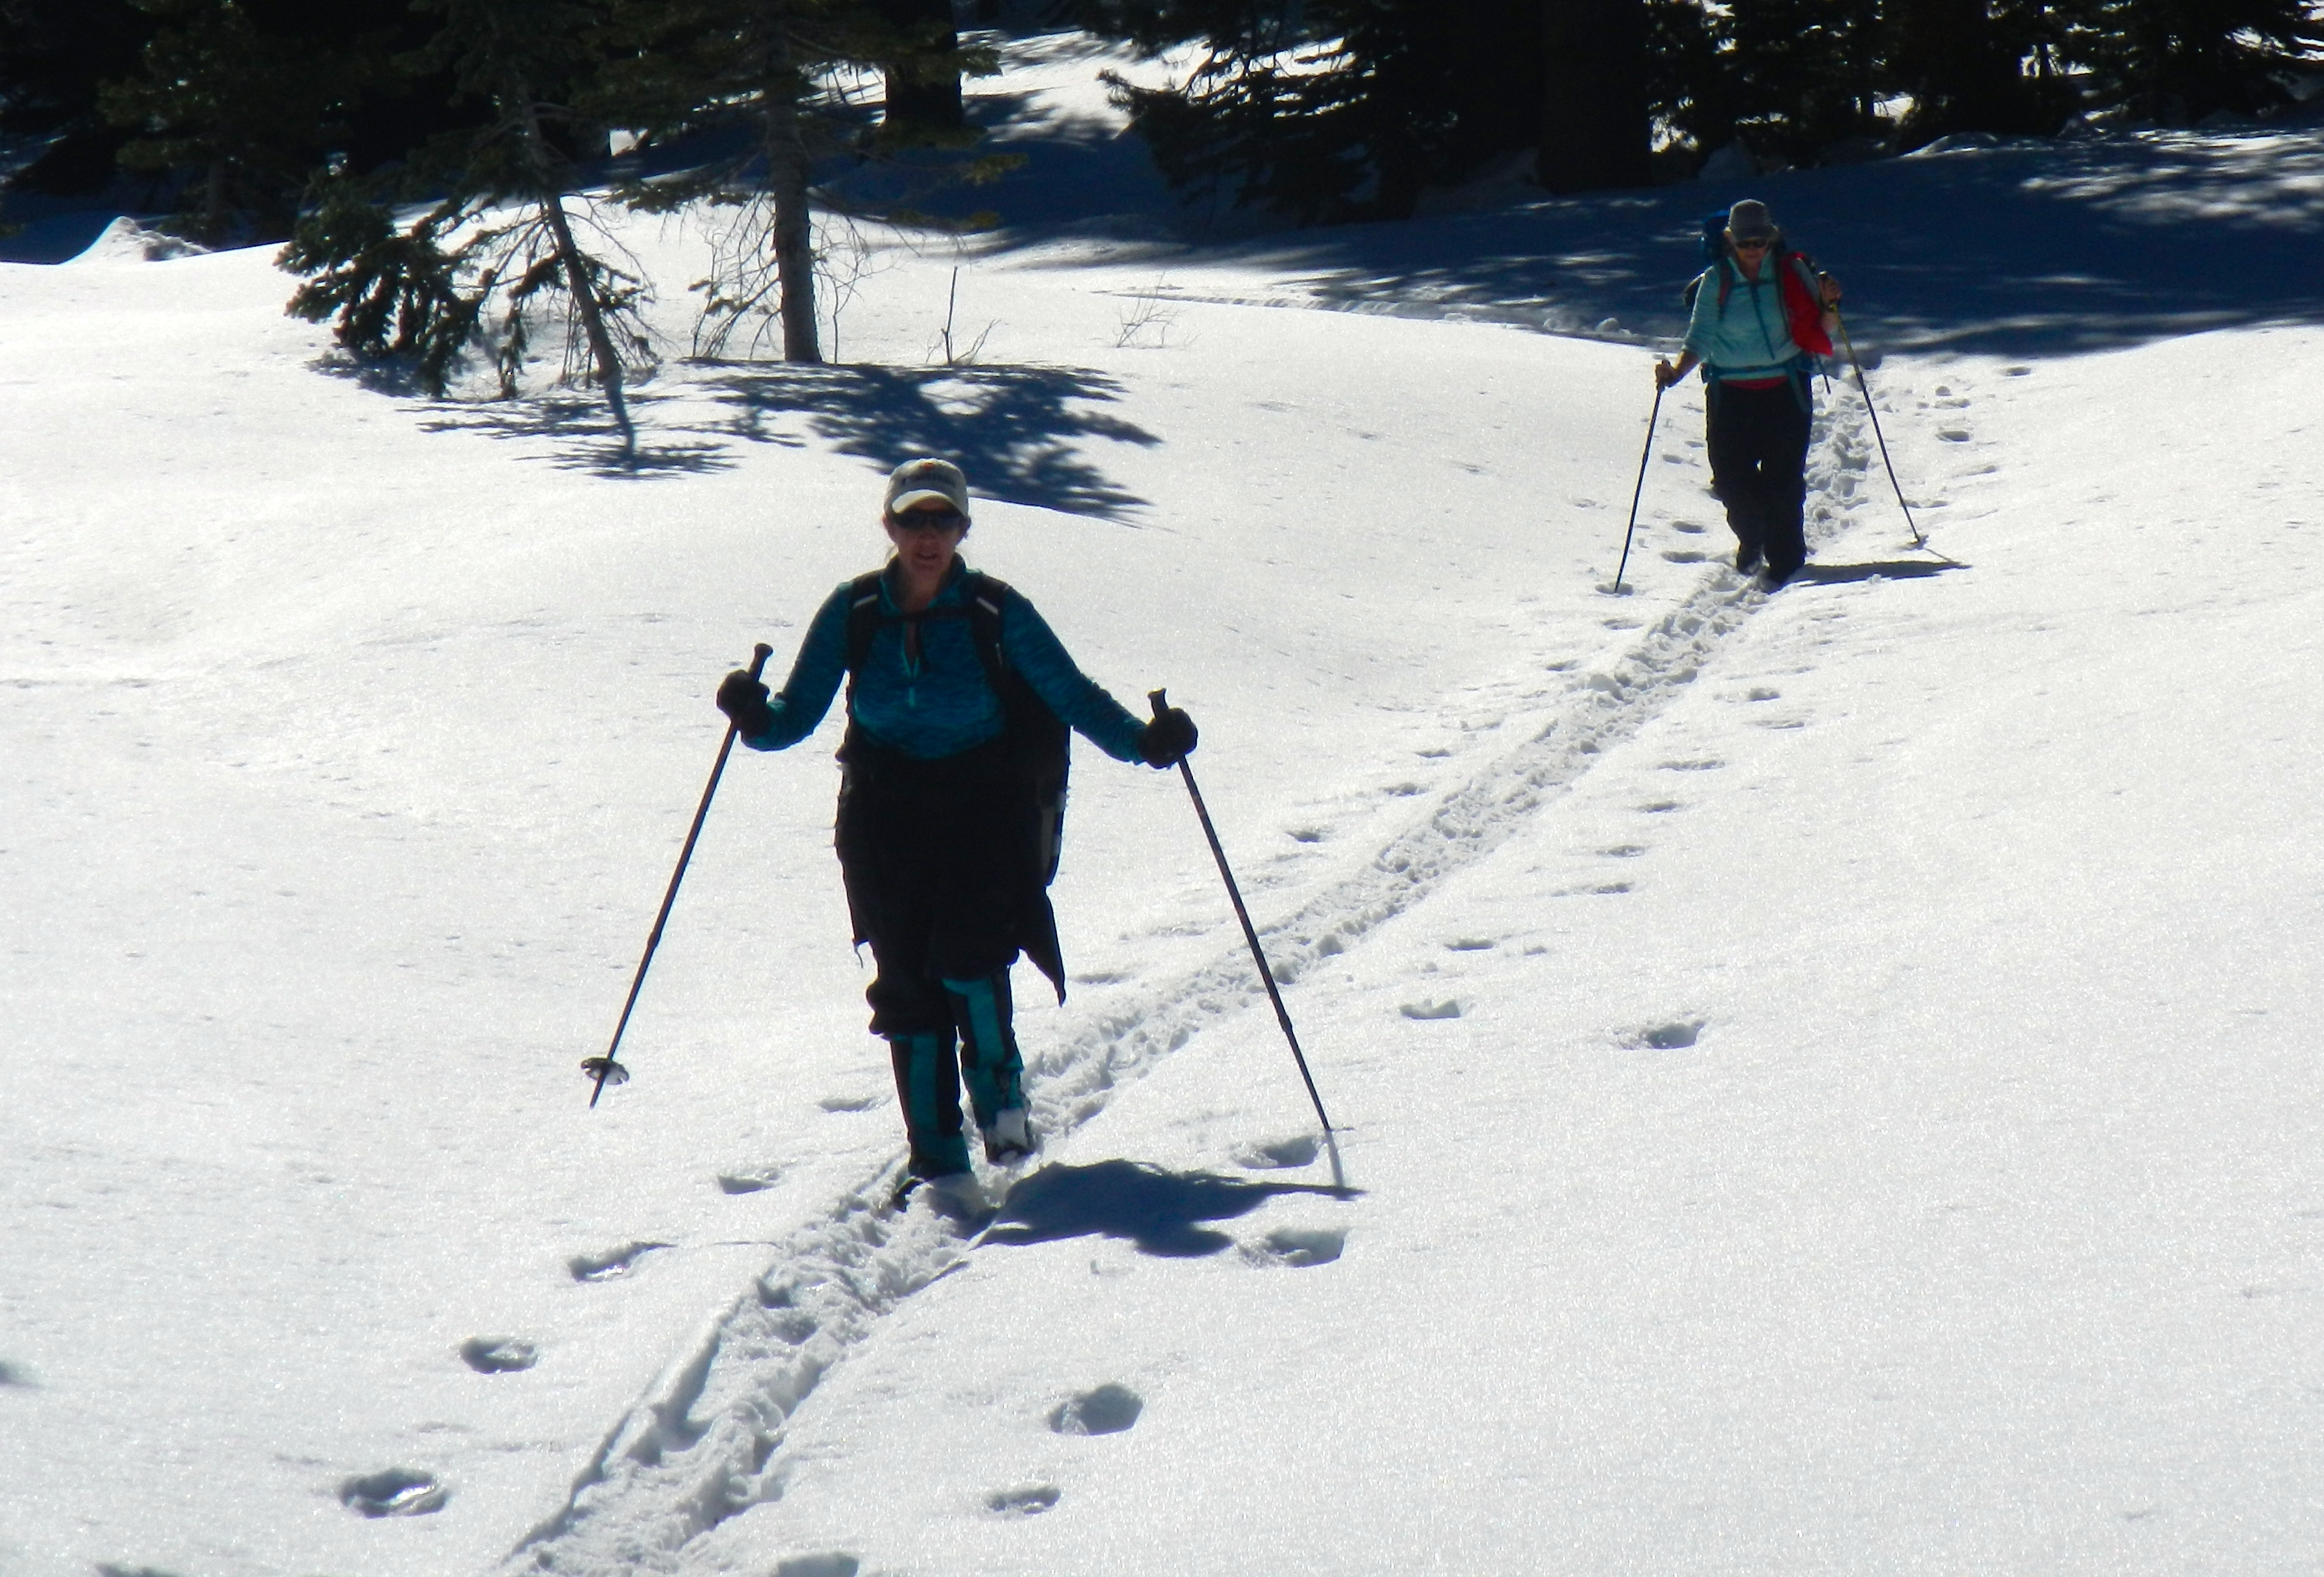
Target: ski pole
603,1069
1638,492
1234,895
1918,539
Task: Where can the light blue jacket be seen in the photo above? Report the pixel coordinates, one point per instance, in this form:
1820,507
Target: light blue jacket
942,704
1752,339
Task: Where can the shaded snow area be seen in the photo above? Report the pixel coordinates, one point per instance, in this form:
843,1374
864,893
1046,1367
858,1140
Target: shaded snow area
1825,1078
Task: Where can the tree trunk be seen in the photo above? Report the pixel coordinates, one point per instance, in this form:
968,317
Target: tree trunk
579,287
794,236
920,102
584,295
1595,128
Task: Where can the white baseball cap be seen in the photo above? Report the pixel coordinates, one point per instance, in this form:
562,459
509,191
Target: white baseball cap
917,481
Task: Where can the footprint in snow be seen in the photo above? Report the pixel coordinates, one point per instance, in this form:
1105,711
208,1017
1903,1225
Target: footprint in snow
1031,1501
1684,556
396,1492
1676,1036
1297,1247
1110,1409
1278,1155
823,1563
835,1103
1953,435
1659,808
610,1264
1470,945
1427,1009
1701,766
749,1180
499,1354
12,1375
1692,528
1624,851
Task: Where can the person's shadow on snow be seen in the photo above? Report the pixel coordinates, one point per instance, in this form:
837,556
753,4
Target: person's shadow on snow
1160,1212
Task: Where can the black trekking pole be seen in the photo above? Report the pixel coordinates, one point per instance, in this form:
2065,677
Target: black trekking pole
1918,539
1638,492
603,1069
1282,1017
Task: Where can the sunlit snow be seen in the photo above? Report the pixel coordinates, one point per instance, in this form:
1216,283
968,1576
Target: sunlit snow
1825,1078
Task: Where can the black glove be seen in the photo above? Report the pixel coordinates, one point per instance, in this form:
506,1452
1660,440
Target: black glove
1167,738
743,699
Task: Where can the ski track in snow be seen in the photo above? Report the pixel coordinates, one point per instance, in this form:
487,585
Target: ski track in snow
703,1443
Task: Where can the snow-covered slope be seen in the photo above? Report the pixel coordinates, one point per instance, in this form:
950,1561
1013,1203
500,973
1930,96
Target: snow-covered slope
1822,1074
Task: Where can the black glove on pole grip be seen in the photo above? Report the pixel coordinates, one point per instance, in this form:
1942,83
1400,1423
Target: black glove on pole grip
1160,703
603,1069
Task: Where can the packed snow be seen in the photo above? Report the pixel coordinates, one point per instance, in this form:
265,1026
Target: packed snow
1823,1079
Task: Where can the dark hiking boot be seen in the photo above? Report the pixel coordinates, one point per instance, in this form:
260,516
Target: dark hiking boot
1746,559
1010,1139
951,1190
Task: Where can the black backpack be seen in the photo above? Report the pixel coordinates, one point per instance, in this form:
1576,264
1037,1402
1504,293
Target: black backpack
1035,744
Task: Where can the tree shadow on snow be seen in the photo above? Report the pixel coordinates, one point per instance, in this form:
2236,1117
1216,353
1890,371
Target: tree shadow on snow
1015,431
581,435
1160,1212
2051,248
1018,432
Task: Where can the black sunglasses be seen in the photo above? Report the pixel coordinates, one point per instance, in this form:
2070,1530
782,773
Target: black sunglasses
1756,242
932,520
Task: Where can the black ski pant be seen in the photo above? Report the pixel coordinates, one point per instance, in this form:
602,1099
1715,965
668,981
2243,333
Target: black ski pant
1758,440
935,857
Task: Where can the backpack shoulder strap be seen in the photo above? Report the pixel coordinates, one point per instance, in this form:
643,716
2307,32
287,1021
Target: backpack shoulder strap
987,598
863,617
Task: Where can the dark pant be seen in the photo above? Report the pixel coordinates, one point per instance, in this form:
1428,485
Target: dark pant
935,857
931,1067
1759,468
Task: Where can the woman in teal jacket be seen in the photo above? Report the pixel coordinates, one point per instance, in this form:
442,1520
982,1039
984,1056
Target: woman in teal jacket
942,824
1760,311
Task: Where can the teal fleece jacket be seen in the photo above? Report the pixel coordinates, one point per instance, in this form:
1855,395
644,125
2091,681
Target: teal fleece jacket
941,705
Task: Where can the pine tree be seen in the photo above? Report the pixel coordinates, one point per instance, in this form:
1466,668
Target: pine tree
1965,66
55,55
2175,61
503,234
687,66
243,100
1333,109
924,95
1595,130
1800,73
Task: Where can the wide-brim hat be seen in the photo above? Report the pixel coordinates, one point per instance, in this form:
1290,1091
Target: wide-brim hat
915,481
1749,220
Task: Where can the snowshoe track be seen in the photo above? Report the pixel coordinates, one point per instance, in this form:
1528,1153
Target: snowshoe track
703,1442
